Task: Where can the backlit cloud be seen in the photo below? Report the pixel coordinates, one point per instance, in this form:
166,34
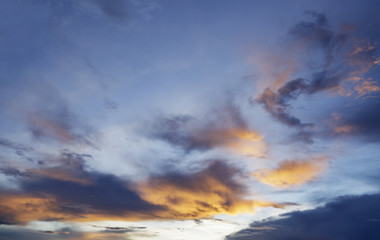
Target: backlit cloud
214,190
291,173
223,128
70,192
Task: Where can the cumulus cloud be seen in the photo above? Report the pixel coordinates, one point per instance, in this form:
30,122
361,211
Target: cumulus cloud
70,191
222,128
213,190
291,173
350,217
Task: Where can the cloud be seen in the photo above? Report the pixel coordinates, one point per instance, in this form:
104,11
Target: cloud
361,121
116,9
366,87
320,60
70,192
20,233
51,118
222,128
291,173
213,190
350,218
17,147
121,10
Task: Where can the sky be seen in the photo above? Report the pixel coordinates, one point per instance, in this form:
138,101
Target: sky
171,120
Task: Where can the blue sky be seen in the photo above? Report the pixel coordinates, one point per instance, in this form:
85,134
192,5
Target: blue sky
149,119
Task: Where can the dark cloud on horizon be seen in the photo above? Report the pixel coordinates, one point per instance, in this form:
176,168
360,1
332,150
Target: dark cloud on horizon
349,218
107,229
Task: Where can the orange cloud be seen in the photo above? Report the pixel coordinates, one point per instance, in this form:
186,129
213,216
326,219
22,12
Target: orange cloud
338,126
225,128
16,208
203,194
217,189
241,141
23,208
366,87
46,127
291,173
361,60
344,129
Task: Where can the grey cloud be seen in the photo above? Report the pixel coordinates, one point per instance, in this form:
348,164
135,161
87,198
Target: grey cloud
278,109
71,191
116,9
361,121
317,33
64,233
220,128
14,146
52,119
349,218
343,58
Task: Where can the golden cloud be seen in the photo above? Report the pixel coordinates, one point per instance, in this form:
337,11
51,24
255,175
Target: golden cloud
291,173
22,208
203,194
240,141
217,189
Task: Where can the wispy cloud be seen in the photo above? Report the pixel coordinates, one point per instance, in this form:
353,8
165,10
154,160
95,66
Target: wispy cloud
362,121
52,119
340,68
224,127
